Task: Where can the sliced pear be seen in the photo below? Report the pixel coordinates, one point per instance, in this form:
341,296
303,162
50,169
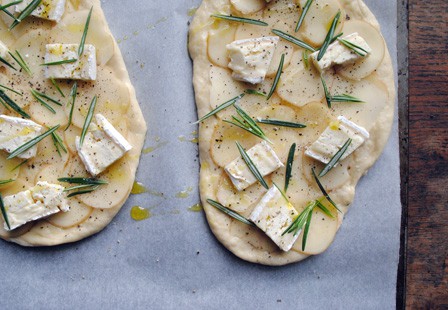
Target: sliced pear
70,137
243,201
365,66
318,20
78,213
371,90
7,171
118,176
217,42
45,117
17,186
337,177
113,98
223,87
71,27
248,6
300,85
321,234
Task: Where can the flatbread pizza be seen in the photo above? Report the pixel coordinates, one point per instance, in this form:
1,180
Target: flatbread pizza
71,129
295,102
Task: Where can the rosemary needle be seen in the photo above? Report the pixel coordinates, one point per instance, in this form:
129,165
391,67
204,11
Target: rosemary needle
329,36
289,164
250,164
84,34
240,19
277,77
335,158
229,212
304,12
293,40
25,147
88,120
3,209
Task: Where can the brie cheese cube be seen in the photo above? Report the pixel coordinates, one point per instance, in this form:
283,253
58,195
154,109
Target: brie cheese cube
334,137
263,157
48,9
82,69
273,215
250,58
103,145
38,202
339,54
14,132
4,53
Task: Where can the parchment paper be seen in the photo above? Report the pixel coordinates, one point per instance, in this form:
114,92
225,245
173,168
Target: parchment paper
172,259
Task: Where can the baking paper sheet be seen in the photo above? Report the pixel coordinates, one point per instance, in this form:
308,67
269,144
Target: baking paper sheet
172,259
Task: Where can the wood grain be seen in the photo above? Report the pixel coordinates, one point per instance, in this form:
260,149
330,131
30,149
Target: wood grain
427,234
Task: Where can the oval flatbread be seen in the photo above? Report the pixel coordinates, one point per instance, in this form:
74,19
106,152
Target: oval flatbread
116,101
349,122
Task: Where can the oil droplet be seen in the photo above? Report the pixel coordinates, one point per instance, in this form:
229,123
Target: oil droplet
194,140
139,213
192,11
181,138
138,188
185,193
153,148
195,208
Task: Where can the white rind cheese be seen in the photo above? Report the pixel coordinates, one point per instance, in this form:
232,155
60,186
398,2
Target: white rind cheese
3,53
339,54
15,131
250,58
273,215
83,69
263,157
38,202
48,9
334,137
103,145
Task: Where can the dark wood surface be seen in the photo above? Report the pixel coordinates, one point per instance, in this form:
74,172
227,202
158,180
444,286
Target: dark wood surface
426,285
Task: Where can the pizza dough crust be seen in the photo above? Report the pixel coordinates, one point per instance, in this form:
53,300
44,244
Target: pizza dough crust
247,242
116,100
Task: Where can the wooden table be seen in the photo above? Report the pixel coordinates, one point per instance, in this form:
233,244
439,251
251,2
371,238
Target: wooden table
423,278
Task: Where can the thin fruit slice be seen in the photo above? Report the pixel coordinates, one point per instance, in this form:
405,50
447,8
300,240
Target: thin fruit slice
248,6
243,201
318,20
78,213
7,169
300,85
119,178
321,233
365,66
217,42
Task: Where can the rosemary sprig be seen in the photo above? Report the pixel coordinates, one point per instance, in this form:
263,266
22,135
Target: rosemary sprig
3,182
8,101
304,12
83,181
47,97
73,94
229,212
55,84
335,158
88,120
11,90
345,98
327,92
324,192
220,108
25,147
354,47
7,63
20,165
297,225
277,77
25,13
21,62
329,36
58,143
324,209
247,123
83,192
240,19
84,34
72,188
293,40
42,102
276,122
5,215
289,164
250,164
305,56
255,92
60,62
